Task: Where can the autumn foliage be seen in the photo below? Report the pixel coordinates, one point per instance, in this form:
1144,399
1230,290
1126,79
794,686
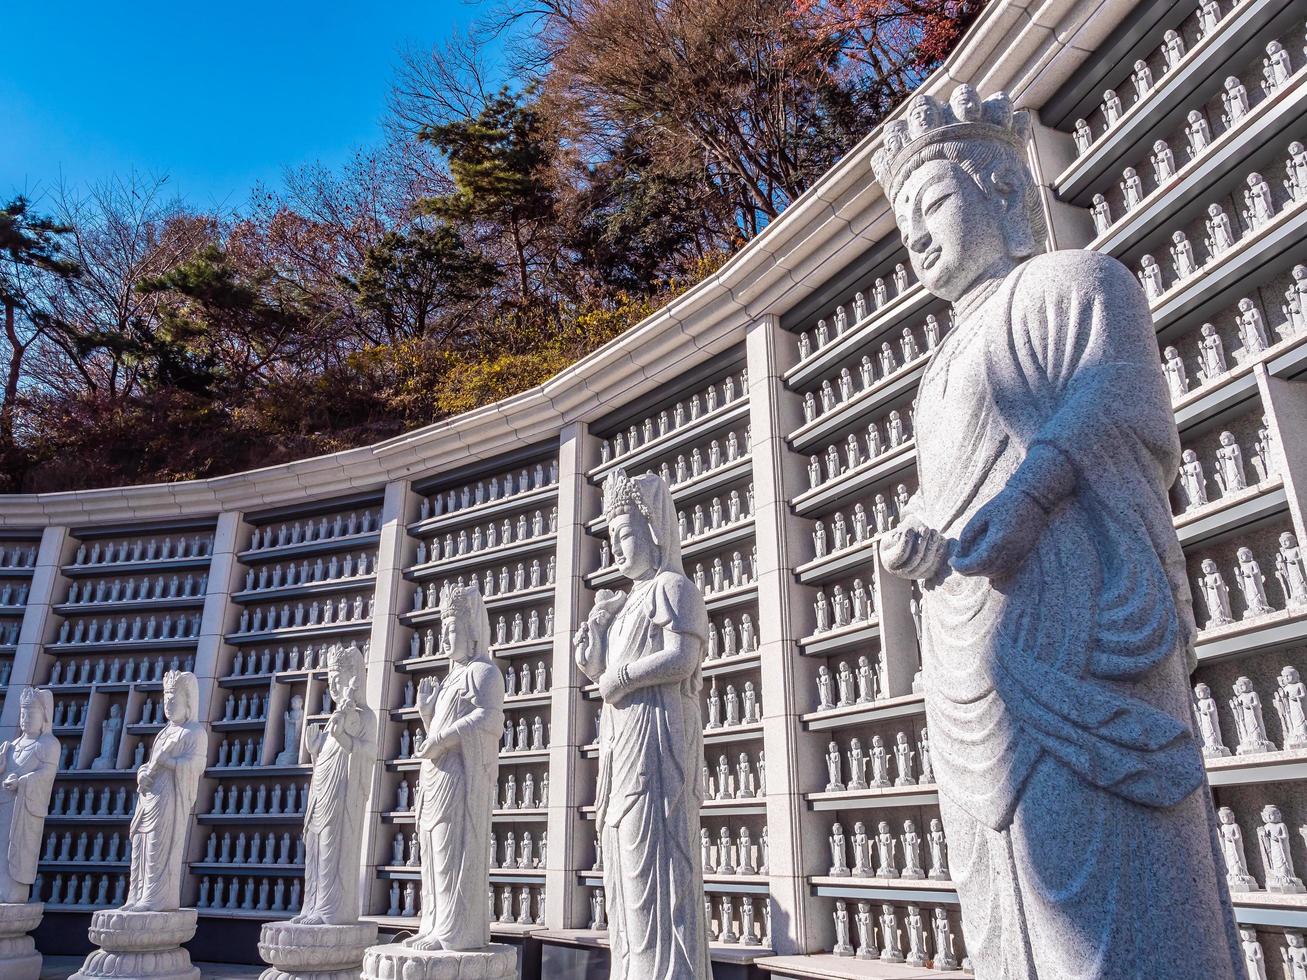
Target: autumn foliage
497,233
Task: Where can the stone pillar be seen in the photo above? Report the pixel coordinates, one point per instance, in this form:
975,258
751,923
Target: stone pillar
398,507
571,778
224,579
1049,152
783,618
36,623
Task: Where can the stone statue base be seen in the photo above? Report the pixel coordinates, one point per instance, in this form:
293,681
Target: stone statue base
19,959
314,952
495,962
140,946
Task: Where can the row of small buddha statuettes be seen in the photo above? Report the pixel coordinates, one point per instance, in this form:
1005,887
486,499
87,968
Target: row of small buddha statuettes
82,891
92,629
1230,474
831,465
524,577
925,938
9,636
275,575
104,802
258,799
65,849
745,781
841,534
518,681
123,670
13,595
507,796
268,661
884,854
520,629
342,525
17,556
485,491
857,605
128,589
1274,839
743,708
667,421
699,521
715,454
521,853
72,714
244,895
515,739
486,537
846,686
1289,699
737,855
824,334
1219,231
831,394
1211,362
256,849
870,768
258,619
1171,52
723,926
143,549
1251,583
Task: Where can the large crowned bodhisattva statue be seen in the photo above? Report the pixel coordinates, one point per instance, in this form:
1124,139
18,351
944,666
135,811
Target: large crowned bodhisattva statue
645,650
1057,627
326,940
142,940
463,717
28,765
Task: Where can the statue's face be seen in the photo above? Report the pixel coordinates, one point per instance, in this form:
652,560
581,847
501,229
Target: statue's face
952,229
31,719
175,707
456,641
634,550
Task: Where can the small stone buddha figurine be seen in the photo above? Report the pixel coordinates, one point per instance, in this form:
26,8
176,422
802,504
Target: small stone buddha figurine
1291,706
1246,706
1193,482
1208,722
1236,862
1294,955
1046,447
1252,585
1230,475
839,867
1216,595
1273,840
1290,571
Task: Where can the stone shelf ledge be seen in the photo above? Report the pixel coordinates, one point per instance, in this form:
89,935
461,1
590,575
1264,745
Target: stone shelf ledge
598,939
161,604
158,644
870,712
725,735
1263,767
217,868
827,966
874,798
832,641
730,598
294,819
894,890
634,460
504,600
840,562
1278,630
332,585
286,634
346,542
1225,514
145,565
476,513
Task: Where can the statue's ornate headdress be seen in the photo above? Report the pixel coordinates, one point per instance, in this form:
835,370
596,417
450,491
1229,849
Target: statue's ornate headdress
465,604
622,494
348,660
964,118
185,684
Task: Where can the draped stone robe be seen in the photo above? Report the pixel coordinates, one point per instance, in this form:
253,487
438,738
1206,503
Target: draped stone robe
454,805
650,791
163,816
1071,785
335,815
22,812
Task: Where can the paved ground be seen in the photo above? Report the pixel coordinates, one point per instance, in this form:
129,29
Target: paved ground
62,967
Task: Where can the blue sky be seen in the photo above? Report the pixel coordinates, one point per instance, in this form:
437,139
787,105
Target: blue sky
217,96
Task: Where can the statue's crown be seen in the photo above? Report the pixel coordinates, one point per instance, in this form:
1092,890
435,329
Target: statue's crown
621,493
964,117
28,697
456,598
